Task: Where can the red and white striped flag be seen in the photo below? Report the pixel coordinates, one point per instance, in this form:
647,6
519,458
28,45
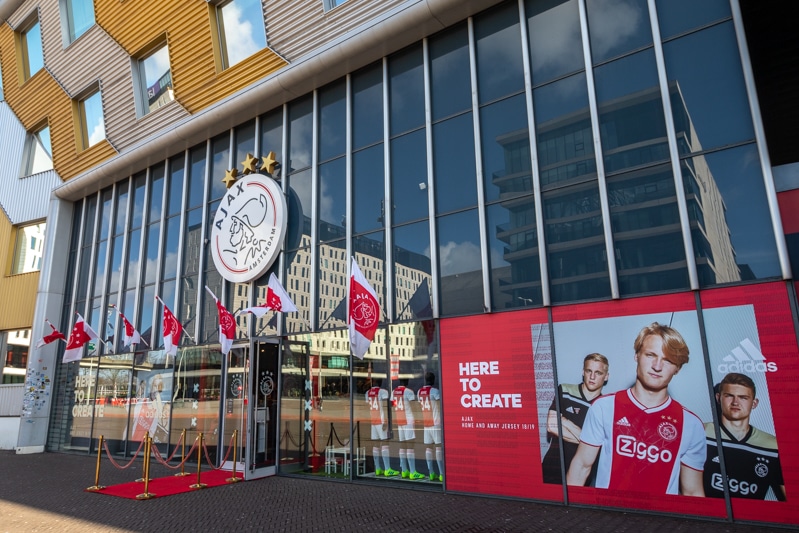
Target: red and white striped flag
132,336
364,312
80,335
53,336
172,330
227,325
277,299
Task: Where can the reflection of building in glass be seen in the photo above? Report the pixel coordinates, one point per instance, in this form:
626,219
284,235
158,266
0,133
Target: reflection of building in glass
647,236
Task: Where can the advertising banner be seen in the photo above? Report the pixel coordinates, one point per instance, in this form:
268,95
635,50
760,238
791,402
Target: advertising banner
490,427
642,441
754,367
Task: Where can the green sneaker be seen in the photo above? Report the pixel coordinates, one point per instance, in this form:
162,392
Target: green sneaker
433,477
390,472
441,478
405,474
416,475
378,472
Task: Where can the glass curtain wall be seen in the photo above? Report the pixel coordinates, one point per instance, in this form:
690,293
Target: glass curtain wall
459,187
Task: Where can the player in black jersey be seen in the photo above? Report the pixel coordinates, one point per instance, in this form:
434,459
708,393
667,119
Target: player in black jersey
574,403
751,458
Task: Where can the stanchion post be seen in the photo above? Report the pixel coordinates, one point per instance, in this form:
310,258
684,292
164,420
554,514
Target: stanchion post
97,485
234,479
199,485
144,464
146,495
182,454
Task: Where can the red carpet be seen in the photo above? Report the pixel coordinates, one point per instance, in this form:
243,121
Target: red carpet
167,486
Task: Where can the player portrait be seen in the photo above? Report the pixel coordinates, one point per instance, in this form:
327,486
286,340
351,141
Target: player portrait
740,373
647,423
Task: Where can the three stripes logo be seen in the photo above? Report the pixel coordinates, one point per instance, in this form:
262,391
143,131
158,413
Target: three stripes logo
746,357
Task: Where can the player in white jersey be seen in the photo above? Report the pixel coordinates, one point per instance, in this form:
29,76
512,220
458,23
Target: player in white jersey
430,400
403,414
376,397
648,440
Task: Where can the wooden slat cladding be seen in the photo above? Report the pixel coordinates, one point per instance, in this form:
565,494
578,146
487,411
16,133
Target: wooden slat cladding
295,29
135,24
41,99
17,303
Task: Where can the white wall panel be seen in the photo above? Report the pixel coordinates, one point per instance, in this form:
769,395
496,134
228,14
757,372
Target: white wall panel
23,199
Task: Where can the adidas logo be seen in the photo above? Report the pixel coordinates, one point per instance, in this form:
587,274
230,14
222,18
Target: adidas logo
623,422
716,459
570,410
746,357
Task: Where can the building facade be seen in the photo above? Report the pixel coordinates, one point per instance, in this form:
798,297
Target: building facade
522,183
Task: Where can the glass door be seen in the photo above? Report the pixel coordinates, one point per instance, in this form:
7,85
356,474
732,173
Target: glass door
234,407
261,449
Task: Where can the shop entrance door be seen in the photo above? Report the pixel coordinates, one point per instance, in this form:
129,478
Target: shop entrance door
261,449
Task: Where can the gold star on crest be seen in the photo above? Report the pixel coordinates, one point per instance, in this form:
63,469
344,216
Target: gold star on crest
230,177
249,164
268,162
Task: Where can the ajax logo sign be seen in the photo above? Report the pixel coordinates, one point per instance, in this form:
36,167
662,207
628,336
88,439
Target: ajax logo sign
248,228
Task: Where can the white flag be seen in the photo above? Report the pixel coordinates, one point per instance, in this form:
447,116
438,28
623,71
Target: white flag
80,335
364,312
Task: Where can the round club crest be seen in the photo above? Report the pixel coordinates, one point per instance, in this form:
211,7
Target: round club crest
248,228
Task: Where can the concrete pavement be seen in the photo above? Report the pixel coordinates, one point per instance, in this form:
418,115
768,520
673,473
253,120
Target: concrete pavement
45,492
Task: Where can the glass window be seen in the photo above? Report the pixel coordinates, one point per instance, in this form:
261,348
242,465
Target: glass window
330,4
332,200
555,40
647,236
631,120
32,52
406,90
616,27
332,262
1,83
300,135
679,16
155,80
332,121
506,149
450,80
367,106
499,53
453,164
28,248
220,161
175,188
80,17
708,94
368,189
460,264
412,271
156,193
241,30
91,117
730,249
39,155
272,134
15,360
409,181
513,258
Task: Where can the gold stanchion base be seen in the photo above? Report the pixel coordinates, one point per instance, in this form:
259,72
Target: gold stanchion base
233,479
94,488
140,480
181,474
198,486
145,496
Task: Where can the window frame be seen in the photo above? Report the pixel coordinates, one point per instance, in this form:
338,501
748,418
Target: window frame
21,244
81,118
219,40
68,21
30,151
23,50
141,98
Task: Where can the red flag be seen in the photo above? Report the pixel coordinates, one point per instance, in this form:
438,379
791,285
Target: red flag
227,325
276,299
81,334
54,336
131,335
364,312
172,330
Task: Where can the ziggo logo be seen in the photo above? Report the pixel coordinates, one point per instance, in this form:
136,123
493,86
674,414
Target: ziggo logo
628,446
